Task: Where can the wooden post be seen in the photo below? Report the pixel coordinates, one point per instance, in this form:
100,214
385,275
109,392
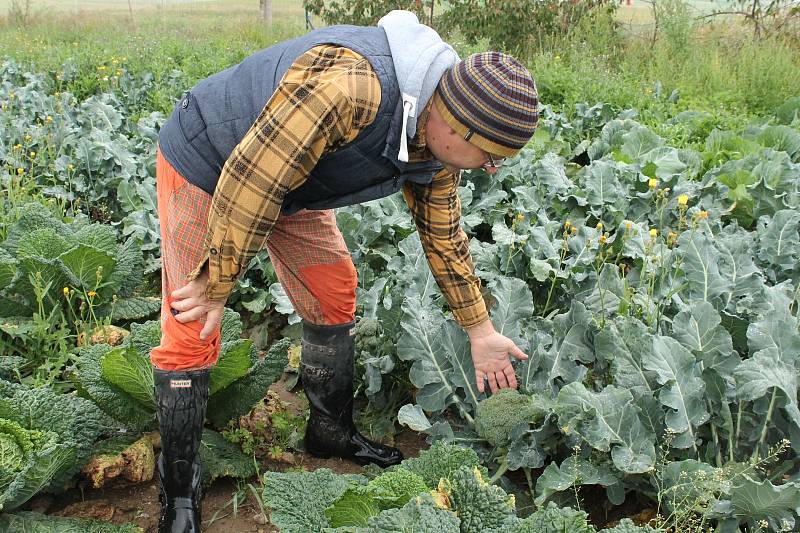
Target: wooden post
266,11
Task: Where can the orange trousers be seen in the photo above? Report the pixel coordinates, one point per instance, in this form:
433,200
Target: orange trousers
307,251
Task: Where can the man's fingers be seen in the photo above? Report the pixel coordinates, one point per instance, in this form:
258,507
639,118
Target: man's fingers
193,288
501,380
195,313
492,382
511,377
516,352
183,292
184,305
479,380
212,322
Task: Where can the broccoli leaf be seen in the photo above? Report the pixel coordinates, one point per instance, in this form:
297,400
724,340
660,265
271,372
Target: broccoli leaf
608,420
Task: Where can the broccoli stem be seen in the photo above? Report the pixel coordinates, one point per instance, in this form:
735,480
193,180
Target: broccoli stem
502,469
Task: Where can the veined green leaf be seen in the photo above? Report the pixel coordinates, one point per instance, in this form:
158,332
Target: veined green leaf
699,329
779,241
431,371
608,420
754,501
701,266
514,306
682,389
775,345
85,262
131,372
623,345
234,362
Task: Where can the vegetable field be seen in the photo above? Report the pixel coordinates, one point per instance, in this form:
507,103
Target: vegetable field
647,260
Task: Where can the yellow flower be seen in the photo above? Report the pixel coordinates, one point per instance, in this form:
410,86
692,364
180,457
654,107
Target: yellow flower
653,233
683,199
33,154
48,118
558,57
66,291
599,226
567,224
20,171
603,239
574,230
70,167
17,147
628,224
702,214
28,138
652,183
520,217
91,294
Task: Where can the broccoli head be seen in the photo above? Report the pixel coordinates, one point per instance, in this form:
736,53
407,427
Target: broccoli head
440,461
370,338
554,519
400,485
497,415
627,526
479,505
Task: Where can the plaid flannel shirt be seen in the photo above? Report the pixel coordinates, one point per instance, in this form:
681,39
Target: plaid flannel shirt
325,99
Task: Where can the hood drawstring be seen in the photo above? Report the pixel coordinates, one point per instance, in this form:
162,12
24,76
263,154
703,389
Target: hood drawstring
409,110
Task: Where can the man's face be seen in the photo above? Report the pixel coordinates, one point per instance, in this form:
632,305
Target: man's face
451,149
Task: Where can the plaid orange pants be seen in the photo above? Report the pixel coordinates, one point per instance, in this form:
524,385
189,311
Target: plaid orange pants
307,250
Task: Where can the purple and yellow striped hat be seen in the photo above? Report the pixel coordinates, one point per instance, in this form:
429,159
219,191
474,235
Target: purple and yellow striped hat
490,99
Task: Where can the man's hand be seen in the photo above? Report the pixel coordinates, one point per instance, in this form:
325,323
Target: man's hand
193,305
490,351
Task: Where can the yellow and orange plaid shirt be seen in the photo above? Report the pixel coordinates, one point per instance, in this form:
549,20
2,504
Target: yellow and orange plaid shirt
327,97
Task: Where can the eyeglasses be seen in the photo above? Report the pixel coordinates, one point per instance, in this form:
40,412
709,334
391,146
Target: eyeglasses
492,162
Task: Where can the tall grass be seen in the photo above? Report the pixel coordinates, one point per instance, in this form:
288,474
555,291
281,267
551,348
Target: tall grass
718,67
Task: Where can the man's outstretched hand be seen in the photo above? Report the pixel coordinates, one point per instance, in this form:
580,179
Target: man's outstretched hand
490,354
192,304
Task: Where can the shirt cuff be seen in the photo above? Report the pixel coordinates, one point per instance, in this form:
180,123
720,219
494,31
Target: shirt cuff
218,287
472,315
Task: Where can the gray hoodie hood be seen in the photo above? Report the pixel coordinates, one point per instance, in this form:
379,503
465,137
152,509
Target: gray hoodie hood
420,60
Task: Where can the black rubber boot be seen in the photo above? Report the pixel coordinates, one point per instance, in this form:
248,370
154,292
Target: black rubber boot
181,399
326,371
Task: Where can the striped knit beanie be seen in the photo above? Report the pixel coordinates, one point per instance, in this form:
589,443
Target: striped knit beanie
490,99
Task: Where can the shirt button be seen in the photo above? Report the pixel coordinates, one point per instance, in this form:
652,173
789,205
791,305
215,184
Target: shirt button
214,251
185,103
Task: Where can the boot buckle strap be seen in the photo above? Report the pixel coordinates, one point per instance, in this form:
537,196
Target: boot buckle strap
307,347
182,503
